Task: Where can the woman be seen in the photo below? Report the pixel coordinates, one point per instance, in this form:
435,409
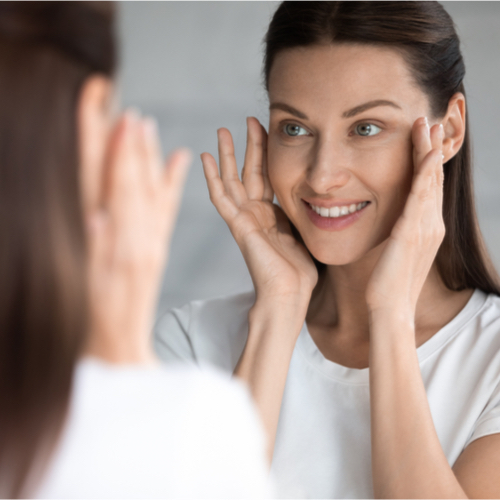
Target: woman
86,212
372,259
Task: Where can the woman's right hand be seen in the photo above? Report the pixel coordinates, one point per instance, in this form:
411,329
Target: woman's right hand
279,265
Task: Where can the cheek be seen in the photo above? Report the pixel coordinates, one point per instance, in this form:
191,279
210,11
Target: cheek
393,183
284,172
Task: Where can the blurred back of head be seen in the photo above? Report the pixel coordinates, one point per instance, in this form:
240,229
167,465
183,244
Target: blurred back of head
47,51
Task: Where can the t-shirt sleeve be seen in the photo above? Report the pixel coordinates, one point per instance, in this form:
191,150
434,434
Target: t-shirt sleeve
172,341
489,420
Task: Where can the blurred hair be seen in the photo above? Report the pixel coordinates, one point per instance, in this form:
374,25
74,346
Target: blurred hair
47,51
424,34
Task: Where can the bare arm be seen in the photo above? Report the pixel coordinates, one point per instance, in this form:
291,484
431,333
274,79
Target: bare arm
273,331
407,458
282,271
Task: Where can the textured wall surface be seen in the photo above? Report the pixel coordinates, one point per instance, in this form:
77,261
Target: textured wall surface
196,66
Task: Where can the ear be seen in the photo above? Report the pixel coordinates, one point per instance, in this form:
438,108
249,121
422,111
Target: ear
454,126
95,121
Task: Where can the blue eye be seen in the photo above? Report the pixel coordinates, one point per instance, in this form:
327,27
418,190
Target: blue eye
367,129
294,130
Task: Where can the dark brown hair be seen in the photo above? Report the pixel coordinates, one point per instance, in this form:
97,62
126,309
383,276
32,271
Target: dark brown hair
424,34
47,50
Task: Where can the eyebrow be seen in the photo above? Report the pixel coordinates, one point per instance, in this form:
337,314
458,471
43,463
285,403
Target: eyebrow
369,105
347,114
288,109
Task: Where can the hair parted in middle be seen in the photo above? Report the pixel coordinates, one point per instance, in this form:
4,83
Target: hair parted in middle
425,36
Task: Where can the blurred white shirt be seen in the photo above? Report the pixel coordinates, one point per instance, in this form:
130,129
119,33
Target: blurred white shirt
157,432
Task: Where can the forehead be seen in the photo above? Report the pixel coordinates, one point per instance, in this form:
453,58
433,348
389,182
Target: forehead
331,76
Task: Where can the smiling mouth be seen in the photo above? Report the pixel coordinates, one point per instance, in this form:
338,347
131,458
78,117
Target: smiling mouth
334,212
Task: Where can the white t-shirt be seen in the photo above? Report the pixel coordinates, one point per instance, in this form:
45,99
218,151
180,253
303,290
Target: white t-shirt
323,440
155,432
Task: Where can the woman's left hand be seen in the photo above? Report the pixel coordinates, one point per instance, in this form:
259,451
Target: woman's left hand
402,269
129,235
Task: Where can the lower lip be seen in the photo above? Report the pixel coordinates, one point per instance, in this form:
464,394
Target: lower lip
333,223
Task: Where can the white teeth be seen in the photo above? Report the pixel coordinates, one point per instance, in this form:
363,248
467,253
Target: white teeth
339,211
334,212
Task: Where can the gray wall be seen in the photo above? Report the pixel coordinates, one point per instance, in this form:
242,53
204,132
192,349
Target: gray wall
196,66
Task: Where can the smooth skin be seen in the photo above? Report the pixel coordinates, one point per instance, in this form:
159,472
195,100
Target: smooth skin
130,200
381,295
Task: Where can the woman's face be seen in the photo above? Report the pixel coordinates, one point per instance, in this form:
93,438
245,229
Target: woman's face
340,142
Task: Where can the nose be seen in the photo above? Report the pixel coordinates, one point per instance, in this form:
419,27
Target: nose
328,168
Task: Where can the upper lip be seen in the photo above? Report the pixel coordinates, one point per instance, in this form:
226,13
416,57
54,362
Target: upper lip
332,203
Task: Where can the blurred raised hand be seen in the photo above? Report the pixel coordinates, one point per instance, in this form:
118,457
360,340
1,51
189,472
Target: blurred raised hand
129,237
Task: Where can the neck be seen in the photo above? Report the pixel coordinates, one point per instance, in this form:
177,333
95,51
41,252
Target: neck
338,301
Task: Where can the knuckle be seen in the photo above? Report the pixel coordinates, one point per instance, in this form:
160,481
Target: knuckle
423,194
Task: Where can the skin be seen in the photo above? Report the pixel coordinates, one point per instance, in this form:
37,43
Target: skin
130,199
331,163
380,296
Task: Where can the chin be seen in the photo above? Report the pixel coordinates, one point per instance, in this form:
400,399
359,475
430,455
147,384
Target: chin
337,256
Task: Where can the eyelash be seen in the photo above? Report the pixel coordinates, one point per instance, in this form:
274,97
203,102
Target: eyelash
293,124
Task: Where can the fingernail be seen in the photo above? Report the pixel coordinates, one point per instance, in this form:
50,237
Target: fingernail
150,126
186,154
427,127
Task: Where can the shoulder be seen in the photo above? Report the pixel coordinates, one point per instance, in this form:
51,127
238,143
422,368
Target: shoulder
480,366
144,431
211,312
483,325
212,331
171,389
477,323
474,332
490,312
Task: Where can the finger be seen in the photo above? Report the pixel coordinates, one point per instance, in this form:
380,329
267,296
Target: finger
268,190
124,167
174,178
228,168
421,142
98,238
437,137
252,177
424,191
218,195
429,195
152,152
